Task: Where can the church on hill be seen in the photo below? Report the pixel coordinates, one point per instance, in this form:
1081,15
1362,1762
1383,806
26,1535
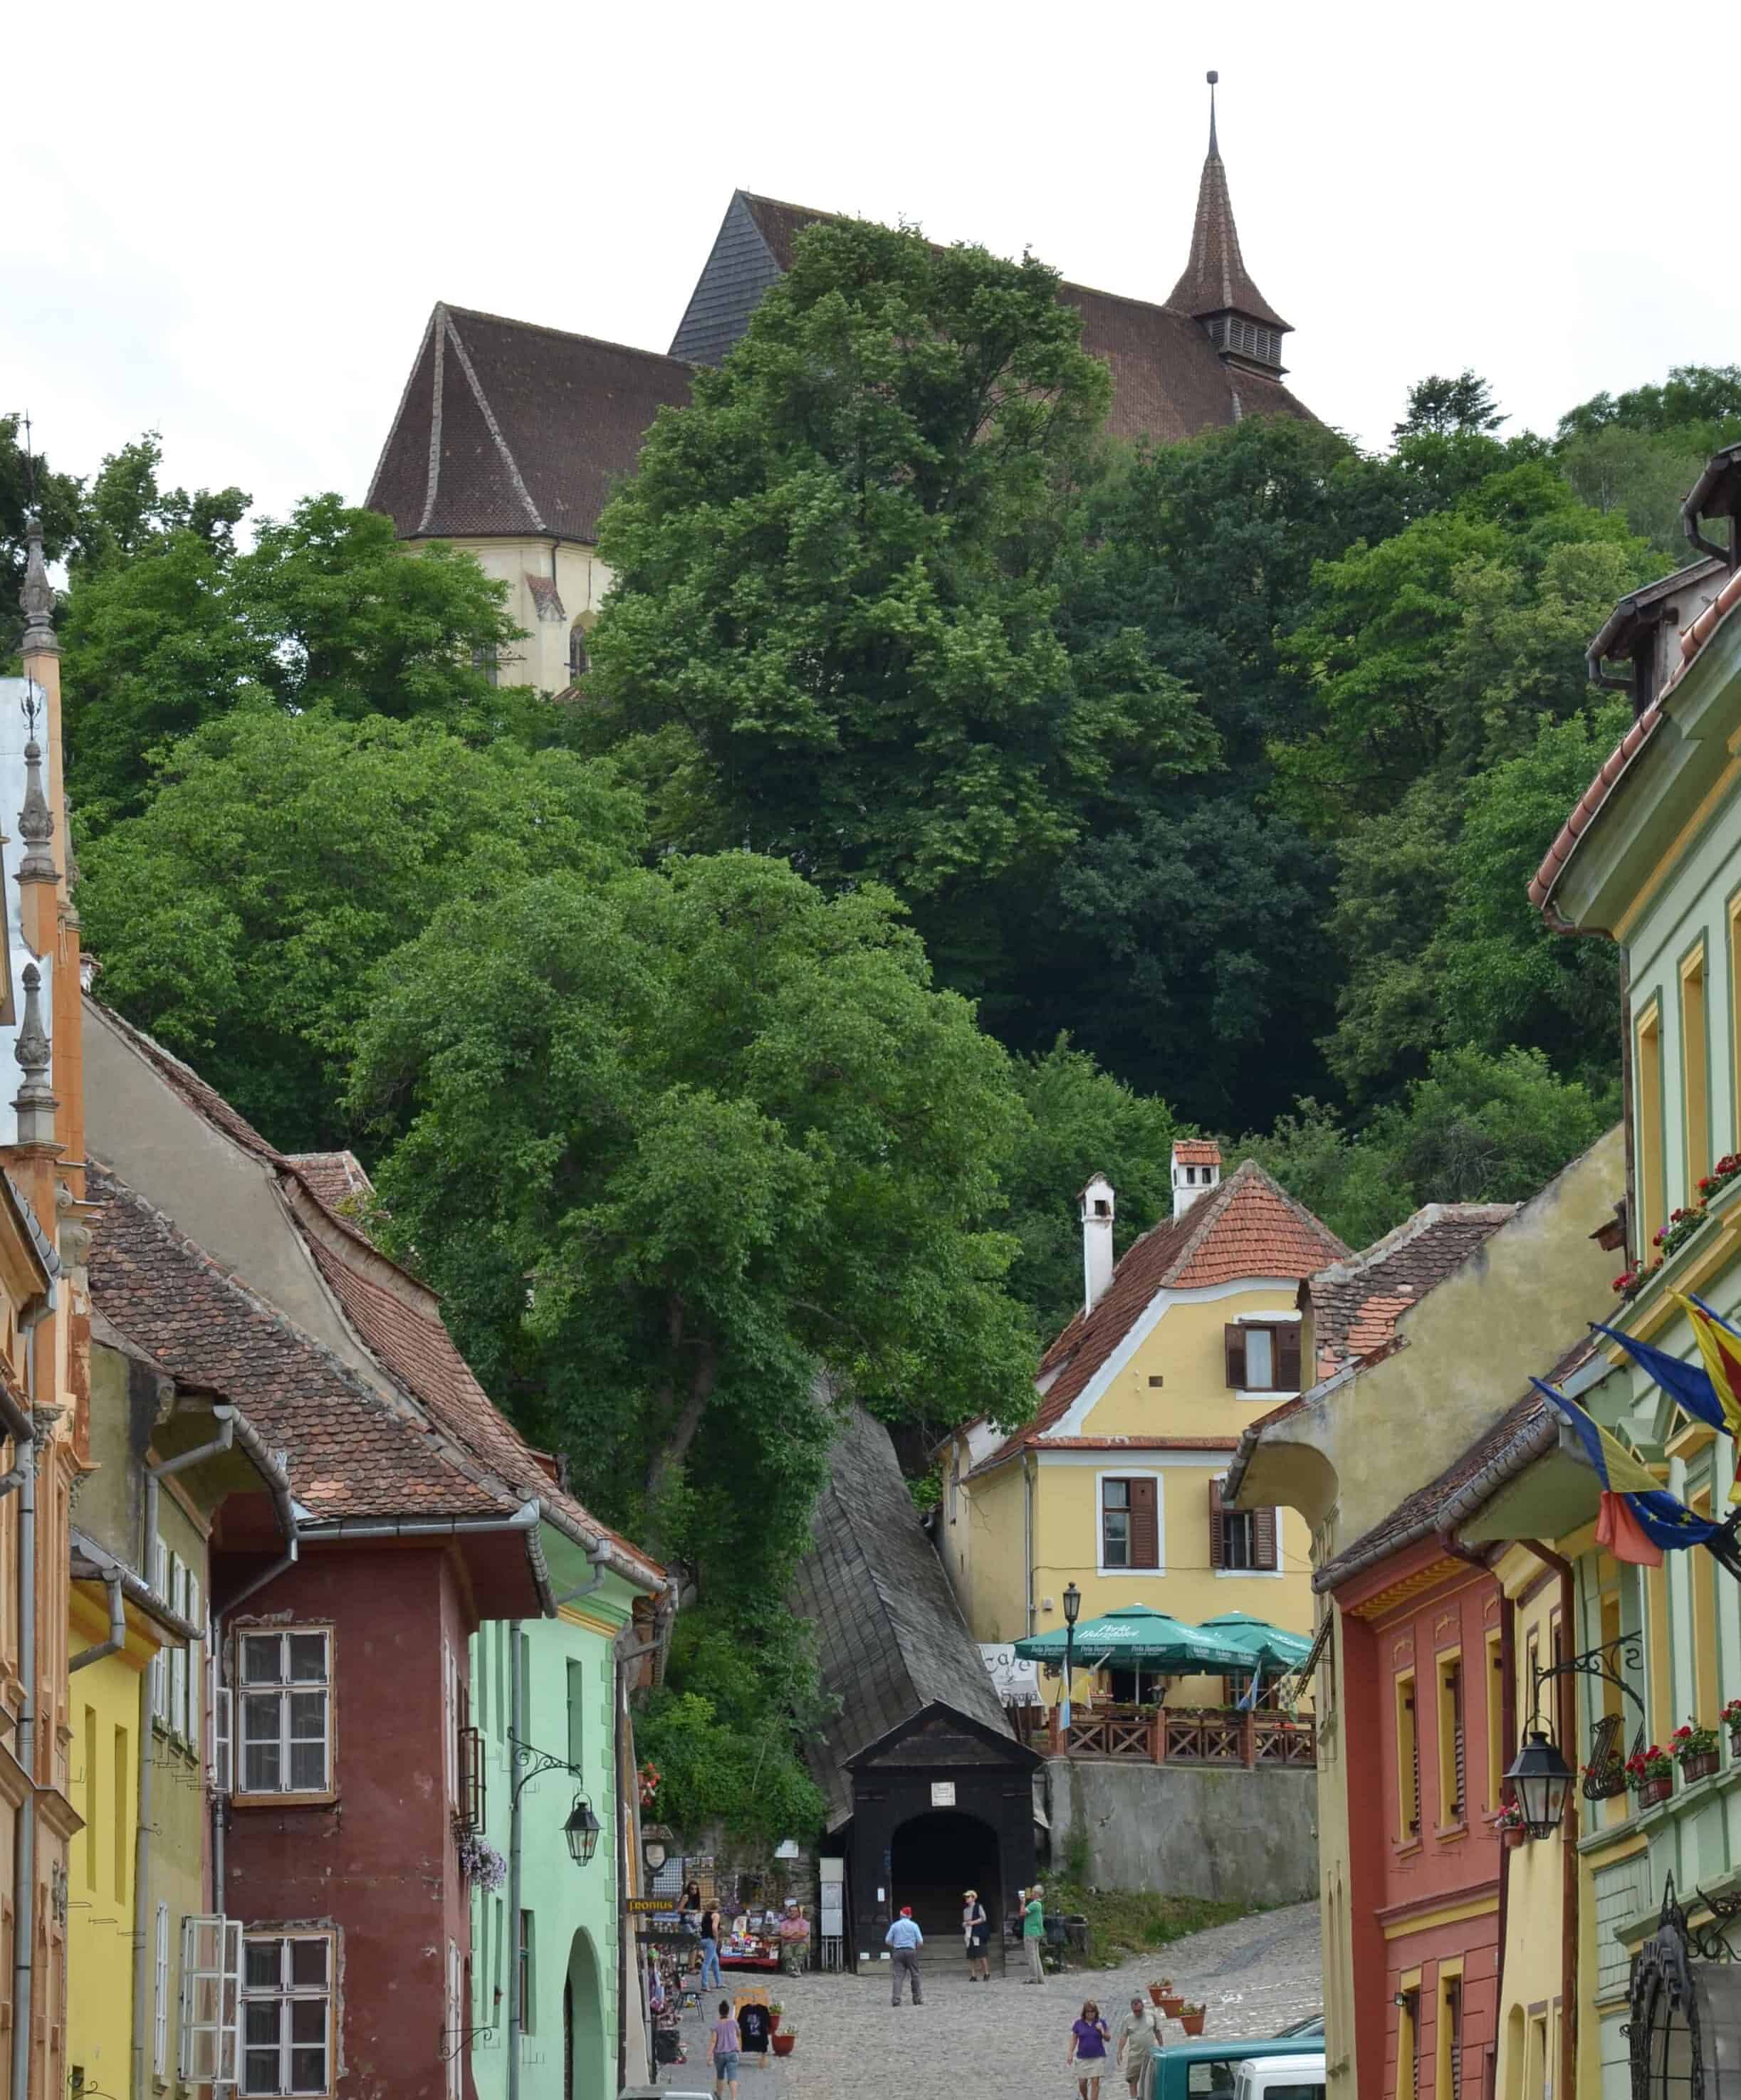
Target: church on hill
510,436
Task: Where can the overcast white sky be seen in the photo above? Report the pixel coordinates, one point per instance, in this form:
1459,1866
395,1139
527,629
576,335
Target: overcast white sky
230,223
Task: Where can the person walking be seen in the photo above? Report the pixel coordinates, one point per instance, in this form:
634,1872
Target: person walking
711,1978
725,2045
1088,2050
974,1929
905,1938
1033,1932
1139,2044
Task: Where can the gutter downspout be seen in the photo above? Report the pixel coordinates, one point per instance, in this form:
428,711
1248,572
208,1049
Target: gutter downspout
517,1978
1566,1720
24,1854
1028,1530
118,1630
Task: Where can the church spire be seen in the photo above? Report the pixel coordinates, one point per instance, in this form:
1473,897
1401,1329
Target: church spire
1216,287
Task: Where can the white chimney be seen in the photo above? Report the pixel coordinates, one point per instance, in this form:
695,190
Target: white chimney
1196,1169
1097,1240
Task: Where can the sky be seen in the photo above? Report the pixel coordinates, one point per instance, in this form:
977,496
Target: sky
229,224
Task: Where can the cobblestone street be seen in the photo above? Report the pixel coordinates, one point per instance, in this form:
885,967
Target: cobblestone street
1006,2041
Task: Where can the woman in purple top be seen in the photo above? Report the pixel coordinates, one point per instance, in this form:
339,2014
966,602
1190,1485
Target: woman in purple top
724,2045
1088,2050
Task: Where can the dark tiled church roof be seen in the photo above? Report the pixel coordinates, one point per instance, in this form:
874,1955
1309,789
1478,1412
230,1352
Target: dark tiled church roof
507,429
890,1639
1167,382
1216,280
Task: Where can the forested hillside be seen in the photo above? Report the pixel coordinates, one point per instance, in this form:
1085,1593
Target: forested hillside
958,804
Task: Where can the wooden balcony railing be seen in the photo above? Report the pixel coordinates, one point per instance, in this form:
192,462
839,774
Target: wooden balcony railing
1176,1735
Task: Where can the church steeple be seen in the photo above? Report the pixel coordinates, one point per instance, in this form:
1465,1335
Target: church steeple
1216,288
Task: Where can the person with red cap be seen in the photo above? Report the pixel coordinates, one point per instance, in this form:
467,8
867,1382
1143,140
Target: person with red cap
904,1938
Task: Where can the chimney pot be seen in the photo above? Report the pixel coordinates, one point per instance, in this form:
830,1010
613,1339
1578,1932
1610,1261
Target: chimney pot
1196,1169
1098,1210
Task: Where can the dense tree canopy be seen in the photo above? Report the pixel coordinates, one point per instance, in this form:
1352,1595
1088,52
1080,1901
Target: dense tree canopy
239,918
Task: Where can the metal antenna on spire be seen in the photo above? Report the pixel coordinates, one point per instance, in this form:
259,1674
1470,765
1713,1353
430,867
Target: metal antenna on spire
1211,77
29,459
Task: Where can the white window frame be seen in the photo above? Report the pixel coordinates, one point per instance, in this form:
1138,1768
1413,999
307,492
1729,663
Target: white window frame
454,2044
1115,1573
450,1721
178,1653
160,2031
211,1967
285,1688
284,1995
160,1662
196,1616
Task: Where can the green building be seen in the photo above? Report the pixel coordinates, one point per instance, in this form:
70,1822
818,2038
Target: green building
554,1981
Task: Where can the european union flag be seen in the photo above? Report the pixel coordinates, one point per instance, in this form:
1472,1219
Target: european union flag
1687,1384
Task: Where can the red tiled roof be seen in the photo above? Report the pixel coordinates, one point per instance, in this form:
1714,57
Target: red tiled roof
1196,1152
349,1454
396,1318
1356,1303
1249,1227
338,1178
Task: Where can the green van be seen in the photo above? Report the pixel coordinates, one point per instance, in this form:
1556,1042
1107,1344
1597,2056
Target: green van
1197,2070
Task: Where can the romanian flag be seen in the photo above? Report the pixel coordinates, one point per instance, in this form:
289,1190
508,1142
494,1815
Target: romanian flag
1720,1348
1638,1518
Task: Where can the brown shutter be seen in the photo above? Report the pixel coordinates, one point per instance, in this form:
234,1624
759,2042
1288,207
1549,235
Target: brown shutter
1215,1526
1263,1554
1234,1335
1145,1527
1287,1356
1458,1750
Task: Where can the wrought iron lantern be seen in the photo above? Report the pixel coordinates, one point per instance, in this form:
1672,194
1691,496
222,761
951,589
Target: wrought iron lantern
581,1830
1540,1779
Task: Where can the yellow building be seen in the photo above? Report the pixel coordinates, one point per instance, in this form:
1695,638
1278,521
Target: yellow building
1114,1486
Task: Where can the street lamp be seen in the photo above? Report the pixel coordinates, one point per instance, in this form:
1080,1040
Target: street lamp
1073,1611
1541,1779
581,1830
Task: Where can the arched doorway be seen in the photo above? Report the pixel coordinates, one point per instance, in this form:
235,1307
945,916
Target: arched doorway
934,1859
589,2061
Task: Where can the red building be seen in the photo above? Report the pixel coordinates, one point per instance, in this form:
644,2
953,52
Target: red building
344,1776
1428,1734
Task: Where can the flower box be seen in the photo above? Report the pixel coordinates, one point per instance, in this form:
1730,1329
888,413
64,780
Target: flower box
1511,1836
1699,1766
1650,1791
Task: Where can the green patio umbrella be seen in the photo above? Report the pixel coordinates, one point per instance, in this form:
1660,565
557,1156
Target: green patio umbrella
1272,1648
1140,1638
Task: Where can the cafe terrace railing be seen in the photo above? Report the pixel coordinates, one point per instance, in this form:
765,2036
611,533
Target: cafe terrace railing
1173,1734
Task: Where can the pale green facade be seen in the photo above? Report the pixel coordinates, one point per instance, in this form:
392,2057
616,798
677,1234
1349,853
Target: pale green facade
573,1915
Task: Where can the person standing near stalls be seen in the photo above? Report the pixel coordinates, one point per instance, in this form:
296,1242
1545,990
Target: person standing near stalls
1033,1931
711,1979
905,1938
974,1928
689,1910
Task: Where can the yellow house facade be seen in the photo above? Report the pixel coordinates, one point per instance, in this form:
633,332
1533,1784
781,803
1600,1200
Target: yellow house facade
1116,1486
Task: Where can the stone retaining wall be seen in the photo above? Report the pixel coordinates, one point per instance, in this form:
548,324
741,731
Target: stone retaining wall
1232,1835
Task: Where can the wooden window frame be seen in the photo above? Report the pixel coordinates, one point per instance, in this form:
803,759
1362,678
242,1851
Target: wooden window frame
1493,1685
1262,1526
1647,1033
1450,1699
1408,1710
1155,1480
1408,2036
1236,1335
283,1688
1447,2039
1695,1068
284,1994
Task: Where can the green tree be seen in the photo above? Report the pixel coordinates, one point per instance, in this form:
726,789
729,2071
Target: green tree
668,1146
126,510
168,628
1440,407
239,917
836,611
1476,1128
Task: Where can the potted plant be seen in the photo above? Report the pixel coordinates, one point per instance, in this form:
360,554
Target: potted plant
1160,1987
1509,1825
1731,1720
1693,1748
1190,2018
776,2010
1650,1775
783,2040
481,1864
